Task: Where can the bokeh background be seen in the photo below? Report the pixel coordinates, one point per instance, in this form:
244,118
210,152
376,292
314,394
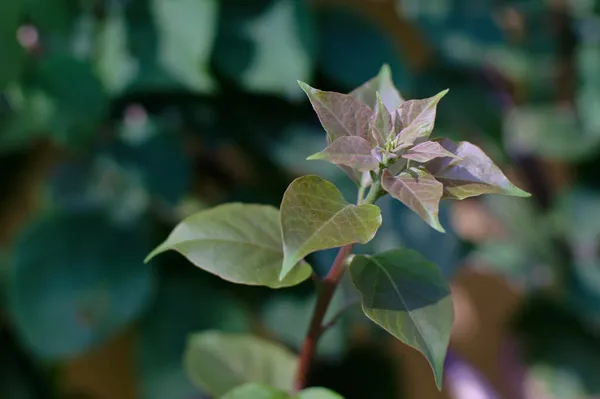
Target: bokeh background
120,117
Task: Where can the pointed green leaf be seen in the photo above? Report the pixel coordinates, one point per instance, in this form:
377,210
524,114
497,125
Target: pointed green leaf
419,191
219,362
382,84
474,174
255,391
382,125
315,216
354,152
318,393
417,118
409,297
240,243
427,151
340,114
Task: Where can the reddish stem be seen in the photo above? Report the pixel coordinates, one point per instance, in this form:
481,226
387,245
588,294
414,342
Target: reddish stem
316,329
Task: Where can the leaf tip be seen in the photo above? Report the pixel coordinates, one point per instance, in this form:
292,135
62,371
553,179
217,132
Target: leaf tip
315,157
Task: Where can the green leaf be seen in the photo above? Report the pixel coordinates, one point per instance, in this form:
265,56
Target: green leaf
75,281
409,297
240,243
79,98
315,216
317,393
186,34
418,190
474,174
417,118
352,151
218,362
11,53
255,391
382,125
340,114
427,151
381,85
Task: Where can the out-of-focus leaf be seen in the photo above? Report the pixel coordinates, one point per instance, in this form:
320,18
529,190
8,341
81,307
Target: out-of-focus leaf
11,53
160,161
74,281
474,174
419,191
240,243
114,63
186,35
340,114
427,151
352,151
31,113
218,362
418,118
353,49
186,303
267,45
79,97
410,298
255,391
315,216
383,85
549,132
317,393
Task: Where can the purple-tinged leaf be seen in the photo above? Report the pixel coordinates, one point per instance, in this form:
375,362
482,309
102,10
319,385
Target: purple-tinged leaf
474,174
354,152
381,125
340,114
427,151
417,118
419,191
382,84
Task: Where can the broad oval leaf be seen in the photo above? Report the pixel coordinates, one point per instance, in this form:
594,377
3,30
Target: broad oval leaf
418,190
238,242
340,114
255,391
351,151
218,362
382,125
409,297
474,174
76,280
382,84
427,151
315,216
318,393
417,118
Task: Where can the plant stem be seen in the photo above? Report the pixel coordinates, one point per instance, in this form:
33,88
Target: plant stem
326,291
375,192
316,329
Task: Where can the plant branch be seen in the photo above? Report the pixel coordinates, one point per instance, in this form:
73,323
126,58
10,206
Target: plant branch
315,330
326,291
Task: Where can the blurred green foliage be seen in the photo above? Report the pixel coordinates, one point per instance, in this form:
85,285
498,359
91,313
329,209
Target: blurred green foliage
153,109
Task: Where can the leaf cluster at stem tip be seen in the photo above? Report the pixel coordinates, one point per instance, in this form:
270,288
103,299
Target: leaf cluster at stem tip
377,137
